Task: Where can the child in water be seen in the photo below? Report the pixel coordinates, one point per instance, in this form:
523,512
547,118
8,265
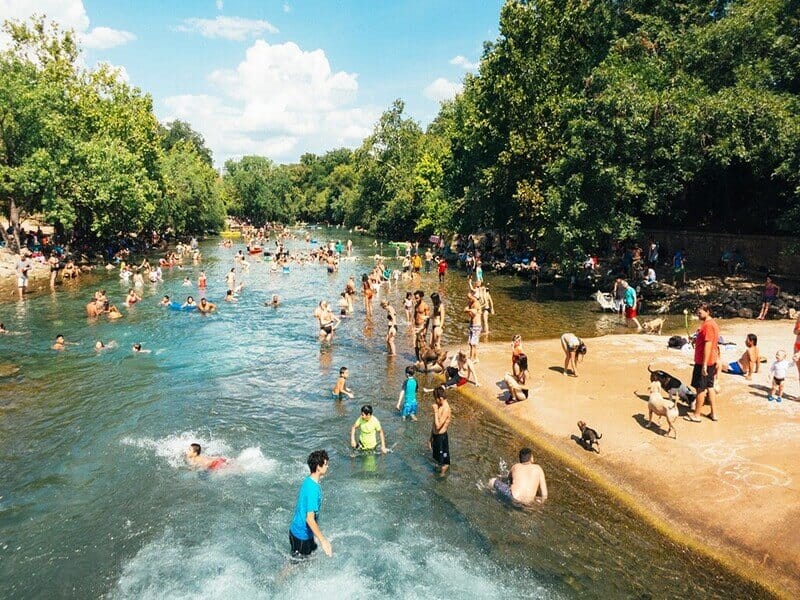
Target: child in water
408,395
341,390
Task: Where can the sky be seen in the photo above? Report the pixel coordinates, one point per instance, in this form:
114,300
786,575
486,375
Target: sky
280,78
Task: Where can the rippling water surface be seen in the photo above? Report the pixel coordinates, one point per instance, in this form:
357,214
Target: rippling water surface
95,499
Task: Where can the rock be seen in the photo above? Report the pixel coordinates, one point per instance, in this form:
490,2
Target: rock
745,313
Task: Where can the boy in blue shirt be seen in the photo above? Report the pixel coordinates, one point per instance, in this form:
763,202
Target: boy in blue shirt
304,527
409,395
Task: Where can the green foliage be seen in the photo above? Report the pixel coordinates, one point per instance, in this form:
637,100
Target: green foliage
86,150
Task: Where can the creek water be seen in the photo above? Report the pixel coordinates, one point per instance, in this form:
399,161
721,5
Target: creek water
95,499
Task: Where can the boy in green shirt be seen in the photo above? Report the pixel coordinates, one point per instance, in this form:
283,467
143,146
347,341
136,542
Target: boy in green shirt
368,426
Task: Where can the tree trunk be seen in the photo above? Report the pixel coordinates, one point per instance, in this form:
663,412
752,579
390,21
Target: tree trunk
13,219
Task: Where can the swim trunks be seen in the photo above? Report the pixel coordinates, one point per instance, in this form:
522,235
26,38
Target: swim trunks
440,446
217,463
327,329
735,368
630,312
701,382
301,548
797,346
474,334
409,408
503,488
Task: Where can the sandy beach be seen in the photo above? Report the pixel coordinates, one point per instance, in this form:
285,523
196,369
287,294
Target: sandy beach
727,488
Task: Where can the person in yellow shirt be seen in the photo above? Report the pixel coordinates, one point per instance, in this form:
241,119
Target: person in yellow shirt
368,426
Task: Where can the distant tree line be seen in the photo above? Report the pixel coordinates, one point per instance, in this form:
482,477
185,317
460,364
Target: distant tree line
585,122
84,149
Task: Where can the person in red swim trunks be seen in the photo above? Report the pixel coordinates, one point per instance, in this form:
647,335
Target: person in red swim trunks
212,463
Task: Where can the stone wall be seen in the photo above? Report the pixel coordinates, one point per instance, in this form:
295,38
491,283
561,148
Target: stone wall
705,249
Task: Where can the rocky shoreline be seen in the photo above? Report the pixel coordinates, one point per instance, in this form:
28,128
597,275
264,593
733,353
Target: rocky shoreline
729,297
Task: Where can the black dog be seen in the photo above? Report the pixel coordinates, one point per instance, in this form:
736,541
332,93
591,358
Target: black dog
673,386
589,437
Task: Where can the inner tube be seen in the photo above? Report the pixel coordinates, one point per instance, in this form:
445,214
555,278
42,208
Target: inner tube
178,306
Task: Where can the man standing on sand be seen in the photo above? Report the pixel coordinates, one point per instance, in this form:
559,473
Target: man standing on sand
440,444
473,311
525,480
706,356
304,527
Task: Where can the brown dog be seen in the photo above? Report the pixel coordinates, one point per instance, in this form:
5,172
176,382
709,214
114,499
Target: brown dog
589,437
653,326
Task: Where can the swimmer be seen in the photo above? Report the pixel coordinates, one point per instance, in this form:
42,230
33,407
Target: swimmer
59,344
164,301
3,328
275,301
210,463
187,282
229,297
368,426
137,349
189,303
205,306
525,483
340,390
132,298
113,313
99,345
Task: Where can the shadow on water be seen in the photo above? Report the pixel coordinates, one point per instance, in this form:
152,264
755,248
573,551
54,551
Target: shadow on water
96,499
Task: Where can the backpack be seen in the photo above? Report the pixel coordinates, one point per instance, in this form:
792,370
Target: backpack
677,341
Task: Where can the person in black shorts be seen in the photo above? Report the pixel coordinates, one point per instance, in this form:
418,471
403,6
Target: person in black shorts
440,445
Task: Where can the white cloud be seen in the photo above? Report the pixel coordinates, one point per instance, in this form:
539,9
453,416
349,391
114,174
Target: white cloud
229,28
105,37
442,89
463,62
280,101
69,14
219,5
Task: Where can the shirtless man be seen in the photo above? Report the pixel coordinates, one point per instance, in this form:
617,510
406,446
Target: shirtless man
525,480
422,313
205,306
440,444
749,361
94,308
230,279
473,310
327,321
203,462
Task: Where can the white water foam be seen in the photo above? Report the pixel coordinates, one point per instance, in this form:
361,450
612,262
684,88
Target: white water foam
167,569
173,448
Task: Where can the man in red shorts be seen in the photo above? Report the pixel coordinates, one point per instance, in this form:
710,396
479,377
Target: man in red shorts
706,356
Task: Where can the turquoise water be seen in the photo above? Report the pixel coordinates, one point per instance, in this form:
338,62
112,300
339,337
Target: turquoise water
95,499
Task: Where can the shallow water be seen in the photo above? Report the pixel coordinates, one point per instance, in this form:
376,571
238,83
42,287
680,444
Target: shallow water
95,499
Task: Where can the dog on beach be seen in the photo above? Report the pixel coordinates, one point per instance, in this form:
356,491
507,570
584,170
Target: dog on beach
429,360
653,326
673,386
589,437
663,407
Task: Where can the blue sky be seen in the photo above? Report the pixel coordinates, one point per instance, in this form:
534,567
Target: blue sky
280,78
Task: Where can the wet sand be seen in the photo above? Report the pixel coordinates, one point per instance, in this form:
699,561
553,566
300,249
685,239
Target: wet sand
728,488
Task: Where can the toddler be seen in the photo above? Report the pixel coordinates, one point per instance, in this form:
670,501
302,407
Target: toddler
778,372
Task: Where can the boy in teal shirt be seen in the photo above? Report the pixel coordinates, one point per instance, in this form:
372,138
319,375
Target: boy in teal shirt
408,395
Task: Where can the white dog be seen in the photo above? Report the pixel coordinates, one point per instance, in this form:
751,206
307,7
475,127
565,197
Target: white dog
662,407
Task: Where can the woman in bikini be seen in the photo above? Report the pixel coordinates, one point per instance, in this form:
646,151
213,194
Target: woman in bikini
391,333
437,321
366,288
